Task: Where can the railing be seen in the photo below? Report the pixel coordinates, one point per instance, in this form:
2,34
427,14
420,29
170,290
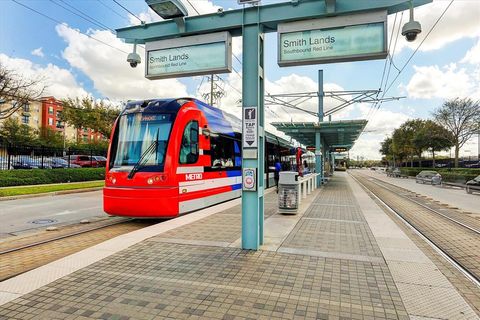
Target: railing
13,156
307,184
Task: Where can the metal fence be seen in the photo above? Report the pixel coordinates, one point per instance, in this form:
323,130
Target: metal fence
14,156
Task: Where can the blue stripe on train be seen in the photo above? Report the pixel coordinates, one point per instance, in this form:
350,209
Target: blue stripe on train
237,186
234,173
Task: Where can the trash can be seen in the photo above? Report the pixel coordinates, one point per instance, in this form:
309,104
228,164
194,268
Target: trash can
288,192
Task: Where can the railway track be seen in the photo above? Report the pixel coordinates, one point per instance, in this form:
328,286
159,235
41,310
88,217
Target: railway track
32,252
451,234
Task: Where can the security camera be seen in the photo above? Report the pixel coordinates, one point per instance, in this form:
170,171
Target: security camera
134,58
411,29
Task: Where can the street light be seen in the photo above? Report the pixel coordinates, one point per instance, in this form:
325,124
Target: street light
170,9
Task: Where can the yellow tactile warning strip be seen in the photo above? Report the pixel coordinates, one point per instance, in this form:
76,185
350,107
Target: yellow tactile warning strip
16,262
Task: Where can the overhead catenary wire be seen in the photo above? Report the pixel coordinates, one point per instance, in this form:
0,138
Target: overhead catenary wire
418,47
64,24
80,14
111,9
130,12
413,54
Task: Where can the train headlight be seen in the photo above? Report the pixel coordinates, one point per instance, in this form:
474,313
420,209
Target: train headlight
113,180
150,180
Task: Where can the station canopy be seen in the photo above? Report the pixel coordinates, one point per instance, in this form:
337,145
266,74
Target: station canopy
334,134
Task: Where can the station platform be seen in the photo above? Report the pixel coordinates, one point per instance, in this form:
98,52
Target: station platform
340,257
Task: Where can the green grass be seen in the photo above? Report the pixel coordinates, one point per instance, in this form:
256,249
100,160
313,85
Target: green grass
16,191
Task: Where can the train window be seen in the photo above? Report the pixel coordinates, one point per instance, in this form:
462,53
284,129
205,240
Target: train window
189,147
223,152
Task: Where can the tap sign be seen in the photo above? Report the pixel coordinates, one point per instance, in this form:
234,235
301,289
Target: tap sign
250,127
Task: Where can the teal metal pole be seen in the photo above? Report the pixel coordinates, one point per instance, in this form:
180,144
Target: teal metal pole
318,138
318,158
333,162
252,95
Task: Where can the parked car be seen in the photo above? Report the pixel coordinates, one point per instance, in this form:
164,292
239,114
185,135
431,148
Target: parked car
473,165
432,177
26,162
83,161
59,163
102,161
473,185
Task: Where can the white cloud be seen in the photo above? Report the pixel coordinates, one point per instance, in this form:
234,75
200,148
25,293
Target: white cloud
460,21
473,55
435,82
107,67
381,124
38,52
59,82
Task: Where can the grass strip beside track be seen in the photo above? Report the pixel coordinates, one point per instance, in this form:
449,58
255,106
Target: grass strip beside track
24,190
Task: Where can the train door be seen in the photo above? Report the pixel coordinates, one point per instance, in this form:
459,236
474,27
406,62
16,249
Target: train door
189,171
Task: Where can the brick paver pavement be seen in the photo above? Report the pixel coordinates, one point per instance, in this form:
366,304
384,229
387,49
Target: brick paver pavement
329,267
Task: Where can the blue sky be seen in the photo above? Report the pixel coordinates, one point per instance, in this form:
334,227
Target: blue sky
447,64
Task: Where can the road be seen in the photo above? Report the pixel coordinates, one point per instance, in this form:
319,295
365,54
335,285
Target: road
24,215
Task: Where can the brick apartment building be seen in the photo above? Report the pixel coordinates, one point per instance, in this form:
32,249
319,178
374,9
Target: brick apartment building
46,113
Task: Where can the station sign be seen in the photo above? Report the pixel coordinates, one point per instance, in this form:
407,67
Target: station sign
189,56
339,149
335,39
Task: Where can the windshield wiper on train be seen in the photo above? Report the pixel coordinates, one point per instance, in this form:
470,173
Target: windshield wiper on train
143,158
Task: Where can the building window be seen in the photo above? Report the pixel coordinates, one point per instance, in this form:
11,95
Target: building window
50,109
26,107
25,119
59,124
50,121
189,150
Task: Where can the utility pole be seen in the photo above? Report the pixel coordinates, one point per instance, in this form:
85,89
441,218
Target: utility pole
215,93
211,90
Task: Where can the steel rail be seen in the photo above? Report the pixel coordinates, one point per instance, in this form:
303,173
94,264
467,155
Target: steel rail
469,275
425,206
34,244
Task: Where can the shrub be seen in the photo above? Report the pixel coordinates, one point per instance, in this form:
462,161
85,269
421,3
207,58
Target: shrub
9,178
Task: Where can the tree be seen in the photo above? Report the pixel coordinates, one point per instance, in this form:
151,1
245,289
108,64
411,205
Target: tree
386,149
87,113
17,90
403,143
433,137
461,117
49,137
15,133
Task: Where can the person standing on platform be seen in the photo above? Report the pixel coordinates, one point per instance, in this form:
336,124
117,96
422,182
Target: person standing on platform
276,174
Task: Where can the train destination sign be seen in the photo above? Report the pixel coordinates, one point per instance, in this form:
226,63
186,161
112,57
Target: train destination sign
336,39
189,56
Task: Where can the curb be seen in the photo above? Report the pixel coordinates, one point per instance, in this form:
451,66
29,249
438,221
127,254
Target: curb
46,194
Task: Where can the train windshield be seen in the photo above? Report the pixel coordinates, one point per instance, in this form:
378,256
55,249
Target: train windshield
137,132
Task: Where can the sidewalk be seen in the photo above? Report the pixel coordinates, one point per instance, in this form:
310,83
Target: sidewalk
342,258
